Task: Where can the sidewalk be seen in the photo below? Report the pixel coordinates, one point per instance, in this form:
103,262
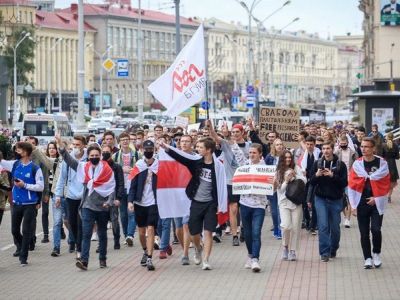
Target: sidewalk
308,278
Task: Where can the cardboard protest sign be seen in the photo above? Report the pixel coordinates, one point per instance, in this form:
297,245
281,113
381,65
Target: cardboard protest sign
181,121
285,121
254,179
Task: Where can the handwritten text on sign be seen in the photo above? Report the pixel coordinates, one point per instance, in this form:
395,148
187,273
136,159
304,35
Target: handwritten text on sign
282,120
253,179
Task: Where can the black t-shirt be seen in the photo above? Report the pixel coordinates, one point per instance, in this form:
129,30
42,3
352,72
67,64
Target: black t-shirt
370,167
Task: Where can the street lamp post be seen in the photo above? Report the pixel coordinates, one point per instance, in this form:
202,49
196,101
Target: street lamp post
140,63
15,114
81,67
49,65
101,57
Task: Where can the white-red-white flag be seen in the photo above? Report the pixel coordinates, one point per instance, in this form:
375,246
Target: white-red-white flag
184,83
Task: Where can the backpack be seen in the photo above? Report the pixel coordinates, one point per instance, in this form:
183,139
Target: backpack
296,191
34,169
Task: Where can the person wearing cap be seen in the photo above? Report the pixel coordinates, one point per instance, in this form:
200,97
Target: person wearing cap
142,200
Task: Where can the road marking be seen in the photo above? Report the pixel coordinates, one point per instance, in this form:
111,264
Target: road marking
12,245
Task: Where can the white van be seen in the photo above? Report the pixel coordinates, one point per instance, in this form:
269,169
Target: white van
45,126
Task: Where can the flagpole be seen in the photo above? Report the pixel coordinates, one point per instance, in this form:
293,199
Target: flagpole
208,102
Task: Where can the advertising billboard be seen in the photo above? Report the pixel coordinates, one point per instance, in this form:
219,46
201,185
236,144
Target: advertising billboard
390,12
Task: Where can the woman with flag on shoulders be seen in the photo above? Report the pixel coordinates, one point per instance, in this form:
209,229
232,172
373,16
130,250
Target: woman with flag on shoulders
98,180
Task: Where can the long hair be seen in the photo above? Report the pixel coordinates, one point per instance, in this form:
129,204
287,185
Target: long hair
47,149
281,168
389,140
273,147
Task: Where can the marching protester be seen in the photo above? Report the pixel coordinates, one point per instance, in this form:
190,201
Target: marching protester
329,179
98,194
28,186
207,191
391,154
291,213
369,185
142,200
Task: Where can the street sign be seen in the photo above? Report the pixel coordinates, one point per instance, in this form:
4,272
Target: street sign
108,64
235,100
235,94
205,105
250,104
122,68
250,89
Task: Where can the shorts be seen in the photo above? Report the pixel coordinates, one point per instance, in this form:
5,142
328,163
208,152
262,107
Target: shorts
146,215
231,197
202,215
179,222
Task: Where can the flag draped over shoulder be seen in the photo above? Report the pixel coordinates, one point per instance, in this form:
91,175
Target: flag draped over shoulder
99,178
380,184
302,162
141,166
184,82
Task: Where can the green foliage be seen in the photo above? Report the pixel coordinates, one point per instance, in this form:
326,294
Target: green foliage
356,119
25,55
5,147
128,108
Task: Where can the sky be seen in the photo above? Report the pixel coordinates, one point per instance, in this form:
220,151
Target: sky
325,17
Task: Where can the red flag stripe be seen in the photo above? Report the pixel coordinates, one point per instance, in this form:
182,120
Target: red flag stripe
381,187
172,175
252,178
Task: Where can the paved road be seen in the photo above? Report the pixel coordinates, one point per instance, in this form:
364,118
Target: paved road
47,277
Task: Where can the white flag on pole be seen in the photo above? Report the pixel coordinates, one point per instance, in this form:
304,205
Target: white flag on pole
184,83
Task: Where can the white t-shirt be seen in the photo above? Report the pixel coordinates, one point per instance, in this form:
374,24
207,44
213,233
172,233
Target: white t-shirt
148,195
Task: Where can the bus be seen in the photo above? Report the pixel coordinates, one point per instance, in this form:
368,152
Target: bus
45,126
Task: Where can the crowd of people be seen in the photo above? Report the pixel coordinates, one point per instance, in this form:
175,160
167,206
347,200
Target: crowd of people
93,185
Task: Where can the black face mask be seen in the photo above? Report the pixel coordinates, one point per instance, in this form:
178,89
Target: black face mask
148,154
344,147
94,160
106,155
17,156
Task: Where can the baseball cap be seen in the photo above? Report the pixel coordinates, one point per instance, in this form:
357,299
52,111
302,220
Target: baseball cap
148,144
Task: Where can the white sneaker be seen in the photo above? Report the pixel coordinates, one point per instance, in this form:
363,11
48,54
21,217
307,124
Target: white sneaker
285,253
346,223
129,241
95,237
206,265
376,257
197,256
368,263
292,255
247,265
255,266
228,230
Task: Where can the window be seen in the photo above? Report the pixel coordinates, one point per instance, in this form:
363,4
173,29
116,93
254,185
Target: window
116,41
110,37
122,41
129,42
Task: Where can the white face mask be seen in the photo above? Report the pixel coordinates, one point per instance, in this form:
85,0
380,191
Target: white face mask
76,151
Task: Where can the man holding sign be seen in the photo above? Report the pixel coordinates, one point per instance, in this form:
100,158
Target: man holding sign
253,189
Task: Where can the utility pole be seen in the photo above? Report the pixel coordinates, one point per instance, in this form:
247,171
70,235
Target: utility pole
49,72
81,68
140,63
177,27
59,82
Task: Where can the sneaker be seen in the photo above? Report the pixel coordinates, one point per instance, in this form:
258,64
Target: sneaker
143,261
313,231
95,237
17,253
24,263
285,253
376,257
163,254
235,241
81,265
324,258
117,246
56,252
169,250
45,239
255,266
206,265
197,256
368,263
247,265
129,241
217,238
63,236
228,230
71,248
292,255
346,223
103,264
185,261
150,266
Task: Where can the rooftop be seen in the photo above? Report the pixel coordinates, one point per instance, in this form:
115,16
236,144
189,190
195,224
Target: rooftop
59,20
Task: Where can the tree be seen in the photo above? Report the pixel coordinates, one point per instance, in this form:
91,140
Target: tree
24,58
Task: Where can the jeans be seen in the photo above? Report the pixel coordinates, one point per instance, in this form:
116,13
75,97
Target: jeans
89,217
369,220
24,214
74,221
252,220
328,213
128,221
45,217
114,218
276,219
165,232
59,214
